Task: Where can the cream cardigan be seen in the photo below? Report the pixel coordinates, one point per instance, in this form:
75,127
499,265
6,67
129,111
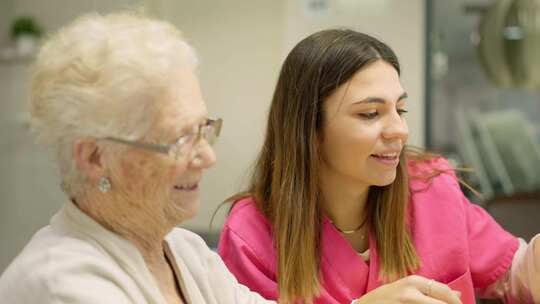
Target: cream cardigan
76,260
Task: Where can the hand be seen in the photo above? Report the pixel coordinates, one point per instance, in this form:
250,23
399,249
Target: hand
413,289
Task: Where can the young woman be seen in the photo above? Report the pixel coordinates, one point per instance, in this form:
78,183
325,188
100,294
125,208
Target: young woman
339,210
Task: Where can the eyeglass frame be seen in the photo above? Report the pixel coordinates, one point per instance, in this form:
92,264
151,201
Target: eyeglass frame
166,149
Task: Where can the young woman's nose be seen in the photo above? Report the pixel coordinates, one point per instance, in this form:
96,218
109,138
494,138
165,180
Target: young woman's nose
396,127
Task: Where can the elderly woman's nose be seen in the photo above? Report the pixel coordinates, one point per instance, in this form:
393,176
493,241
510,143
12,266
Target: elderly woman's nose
204,156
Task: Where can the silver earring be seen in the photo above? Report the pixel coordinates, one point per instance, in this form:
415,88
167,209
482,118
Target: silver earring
104,184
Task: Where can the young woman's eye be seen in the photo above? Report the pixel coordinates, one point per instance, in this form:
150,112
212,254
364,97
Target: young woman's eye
402,111
368,115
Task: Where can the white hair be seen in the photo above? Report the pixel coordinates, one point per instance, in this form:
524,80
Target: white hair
100,76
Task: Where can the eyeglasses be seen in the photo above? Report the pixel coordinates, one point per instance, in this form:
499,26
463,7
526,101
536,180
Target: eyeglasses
209,131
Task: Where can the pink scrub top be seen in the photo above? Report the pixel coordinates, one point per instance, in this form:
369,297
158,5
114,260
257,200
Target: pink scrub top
458,243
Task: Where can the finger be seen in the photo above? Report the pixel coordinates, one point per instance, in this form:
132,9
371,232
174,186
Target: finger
433,289
423,299
415,296
439,291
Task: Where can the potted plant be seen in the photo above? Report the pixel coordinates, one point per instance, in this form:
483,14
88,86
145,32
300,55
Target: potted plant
25,31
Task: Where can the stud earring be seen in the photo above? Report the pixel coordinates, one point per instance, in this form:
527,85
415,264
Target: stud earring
104,184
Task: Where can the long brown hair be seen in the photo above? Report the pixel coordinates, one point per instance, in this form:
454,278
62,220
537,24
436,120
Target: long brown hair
285,182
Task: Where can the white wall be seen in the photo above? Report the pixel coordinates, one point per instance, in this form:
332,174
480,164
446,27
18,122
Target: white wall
241,44
52,14
241,49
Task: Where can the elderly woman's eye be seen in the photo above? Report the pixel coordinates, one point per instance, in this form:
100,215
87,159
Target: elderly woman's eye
186,139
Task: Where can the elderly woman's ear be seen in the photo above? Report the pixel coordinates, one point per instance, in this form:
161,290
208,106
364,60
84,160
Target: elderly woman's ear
89,157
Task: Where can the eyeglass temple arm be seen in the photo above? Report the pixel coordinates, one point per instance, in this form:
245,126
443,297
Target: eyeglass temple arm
154,147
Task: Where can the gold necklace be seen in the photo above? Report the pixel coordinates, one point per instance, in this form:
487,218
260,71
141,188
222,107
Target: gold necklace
349,231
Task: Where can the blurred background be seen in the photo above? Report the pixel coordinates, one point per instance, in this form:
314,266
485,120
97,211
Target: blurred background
470,67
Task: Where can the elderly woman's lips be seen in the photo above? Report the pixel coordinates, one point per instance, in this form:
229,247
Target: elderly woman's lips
190,187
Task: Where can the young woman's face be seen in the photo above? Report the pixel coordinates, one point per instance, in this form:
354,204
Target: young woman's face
364,131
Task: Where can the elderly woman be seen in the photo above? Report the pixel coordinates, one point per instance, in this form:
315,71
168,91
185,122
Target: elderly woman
117,99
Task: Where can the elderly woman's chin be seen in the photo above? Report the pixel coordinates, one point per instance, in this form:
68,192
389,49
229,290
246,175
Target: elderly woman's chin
184,205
